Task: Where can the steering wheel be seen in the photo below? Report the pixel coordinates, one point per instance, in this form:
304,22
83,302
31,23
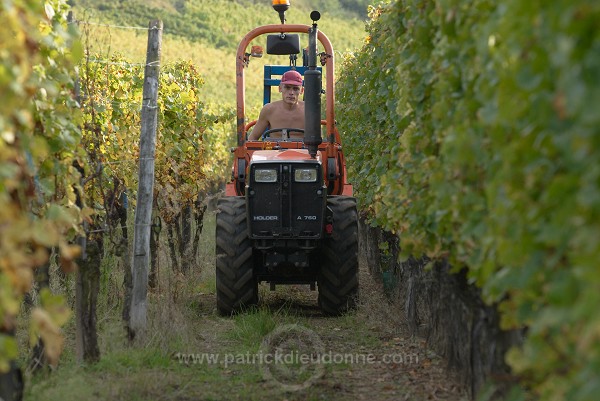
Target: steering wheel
285,134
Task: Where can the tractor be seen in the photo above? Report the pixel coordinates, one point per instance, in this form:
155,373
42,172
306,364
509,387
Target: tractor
288,216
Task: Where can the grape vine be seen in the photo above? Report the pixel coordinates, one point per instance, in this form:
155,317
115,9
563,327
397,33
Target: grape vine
63,150
38,146
482,130
191,144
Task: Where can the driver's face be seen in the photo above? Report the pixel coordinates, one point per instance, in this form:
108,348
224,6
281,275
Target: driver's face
290,93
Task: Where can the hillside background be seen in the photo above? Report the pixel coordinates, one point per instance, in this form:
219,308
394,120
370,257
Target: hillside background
207,33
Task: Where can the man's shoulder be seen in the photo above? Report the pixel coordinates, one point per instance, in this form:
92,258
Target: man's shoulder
273,107
274,104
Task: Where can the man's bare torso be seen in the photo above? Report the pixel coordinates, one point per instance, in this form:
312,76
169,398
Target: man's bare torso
280,116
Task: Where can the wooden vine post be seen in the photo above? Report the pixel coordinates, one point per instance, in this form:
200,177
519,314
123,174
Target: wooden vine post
143,211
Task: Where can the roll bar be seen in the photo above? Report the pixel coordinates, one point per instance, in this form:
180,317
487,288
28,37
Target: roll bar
240,80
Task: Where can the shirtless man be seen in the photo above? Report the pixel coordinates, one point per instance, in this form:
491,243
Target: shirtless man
285,113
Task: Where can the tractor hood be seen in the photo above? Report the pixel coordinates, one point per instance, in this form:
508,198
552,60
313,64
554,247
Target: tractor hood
288,155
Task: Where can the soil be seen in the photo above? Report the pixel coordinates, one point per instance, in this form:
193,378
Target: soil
371,356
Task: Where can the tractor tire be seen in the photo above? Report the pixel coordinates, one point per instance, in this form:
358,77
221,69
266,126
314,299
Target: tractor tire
338,276
237,287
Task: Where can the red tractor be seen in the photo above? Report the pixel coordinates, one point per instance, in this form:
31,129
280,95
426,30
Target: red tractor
288,215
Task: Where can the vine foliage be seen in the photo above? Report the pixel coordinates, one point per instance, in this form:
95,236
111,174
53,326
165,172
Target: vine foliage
38,146
59,144
191,144
483,145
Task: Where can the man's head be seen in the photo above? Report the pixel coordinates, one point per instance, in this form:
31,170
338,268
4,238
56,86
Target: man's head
291,86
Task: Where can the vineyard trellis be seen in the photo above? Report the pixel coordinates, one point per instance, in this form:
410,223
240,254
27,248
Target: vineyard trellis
483,129
69,163
183,173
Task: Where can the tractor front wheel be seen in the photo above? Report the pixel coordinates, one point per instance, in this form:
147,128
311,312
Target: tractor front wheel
338,276
237,287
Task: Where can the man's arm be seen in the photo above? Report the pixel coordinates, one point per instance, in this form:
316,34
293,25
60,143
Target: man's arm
261,124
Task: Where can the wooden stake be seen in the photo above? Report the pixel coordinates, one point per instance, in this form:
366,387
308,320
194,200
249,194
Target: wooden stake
143,211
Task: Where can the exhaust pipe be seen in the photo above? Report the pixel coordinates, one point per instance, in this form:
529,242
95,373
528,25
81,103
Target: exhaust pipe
312,93
312,111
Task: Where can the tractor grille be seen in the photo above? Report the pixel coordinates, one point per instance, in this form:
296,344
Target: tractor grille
285,202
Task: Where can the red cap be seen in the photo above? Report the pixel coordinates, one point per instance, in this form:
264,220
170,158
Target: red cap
291,78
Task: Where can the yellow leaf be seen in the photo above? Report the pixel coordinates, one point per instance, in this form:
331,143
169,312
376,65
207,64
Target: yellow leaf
69,252
87,213
42,325
55,306
39,256
9,300
44,234
20,277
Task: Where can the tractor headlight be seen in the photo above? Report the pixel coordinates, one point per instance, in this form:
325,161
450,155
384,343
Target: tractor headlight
265,175
305,175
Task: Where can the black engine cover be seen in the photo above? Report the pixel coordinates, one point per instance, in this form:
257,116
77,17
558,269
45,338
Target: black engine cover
287,208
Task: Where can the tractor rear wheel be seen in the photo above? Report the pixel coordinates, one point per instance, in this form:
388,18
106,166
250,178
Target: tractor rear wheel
338,276
237,287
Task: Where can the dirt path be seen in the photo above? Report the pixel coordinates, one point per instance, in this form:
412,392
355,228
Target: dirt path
365,355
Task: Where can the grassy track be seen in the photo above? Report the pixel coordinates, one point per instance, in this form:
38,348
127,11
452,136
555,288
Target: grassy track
184,325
